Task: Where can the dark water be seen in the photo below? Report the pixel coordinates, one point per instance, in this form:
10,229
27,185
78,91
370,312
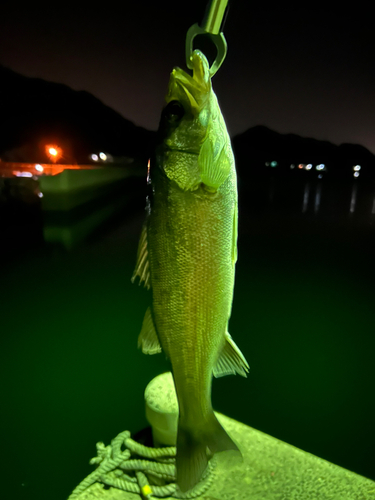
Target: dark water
303,315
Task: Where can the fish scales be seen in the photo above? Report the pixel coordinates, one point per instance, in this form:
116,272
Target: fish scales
187,255
196,287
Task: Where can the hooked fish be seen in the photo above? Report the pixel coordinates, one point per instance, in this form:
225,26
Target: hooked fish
187,255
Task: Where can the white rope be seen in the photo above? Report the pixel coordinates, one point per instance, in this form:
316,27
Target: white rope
146,470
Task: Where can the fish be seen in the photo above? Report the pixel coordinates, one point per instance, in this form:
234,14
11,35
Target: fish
186,256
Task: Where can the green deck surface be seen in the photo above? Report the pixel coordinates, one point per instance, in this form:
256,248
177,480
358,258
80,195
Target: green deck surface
271,470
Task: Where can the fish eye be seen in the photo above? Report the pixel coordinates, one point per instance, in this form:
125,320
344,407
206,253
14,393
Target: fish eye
174,111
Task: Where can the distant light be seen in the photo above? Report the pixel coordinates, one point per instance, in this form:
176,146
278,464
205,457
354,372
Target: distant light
320,176
292,166
301,165
53,152
22,174
274,163
267,164
320,167
40,194
103,156
39,168
308,166
357,168
356,174
95,157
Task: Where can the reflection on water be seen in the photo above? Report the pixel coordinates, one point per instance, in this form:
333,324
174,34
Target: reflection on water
73,203
321,201
337,198
306,197
353,198
316,194
317,198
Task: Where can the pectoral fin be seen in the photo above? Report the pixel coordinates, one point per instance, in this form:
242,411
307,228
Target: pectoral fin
215,158
231,360
142,268
148,338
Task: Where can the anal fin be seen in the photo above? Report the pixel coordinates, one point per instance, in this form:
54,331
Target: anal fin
231,360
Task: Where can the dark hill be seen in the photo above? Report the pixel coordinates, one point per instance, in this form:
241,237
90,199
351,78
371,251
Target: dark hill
259,145
35,112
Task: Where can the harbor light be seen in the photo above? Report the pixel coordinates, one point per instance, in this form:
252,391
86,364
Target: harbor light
39,168
357,168
273,163
94,157
321,166
356,174
103,156
308,166
53,152
18,173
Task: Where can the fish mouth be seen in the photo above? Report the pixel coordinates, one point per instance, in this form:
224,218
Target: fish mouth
185,151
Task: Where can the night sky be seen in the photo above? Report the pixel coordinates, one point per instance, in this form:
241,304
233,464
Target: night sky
307,70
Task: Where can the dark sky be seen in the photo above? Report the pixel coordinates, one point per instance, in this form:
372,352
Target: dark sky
307,69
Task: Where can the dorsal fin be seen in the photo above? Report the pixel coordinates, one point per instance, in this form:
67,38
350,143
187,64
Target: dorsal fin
142,268
231,360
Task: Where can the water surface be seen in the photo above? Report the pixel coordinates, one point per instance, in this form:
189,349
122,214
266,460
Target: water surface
303,316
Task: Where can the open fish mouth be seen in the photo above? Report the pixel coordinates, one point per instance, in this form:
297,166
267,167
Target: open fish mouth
192,91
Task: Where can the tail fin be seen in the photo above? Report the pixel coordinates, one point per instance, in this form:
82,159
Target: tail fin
192,444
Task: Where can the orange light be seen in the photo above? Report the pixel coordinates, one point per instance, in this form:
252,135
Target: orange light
53,152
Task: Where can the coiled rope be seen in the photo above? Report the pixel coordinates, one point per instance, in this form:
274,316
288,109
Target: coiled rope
152,473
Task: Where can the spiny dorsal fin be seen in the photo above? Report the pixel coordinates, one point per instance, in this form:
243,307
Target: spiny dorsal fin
142,268
148,338
231,360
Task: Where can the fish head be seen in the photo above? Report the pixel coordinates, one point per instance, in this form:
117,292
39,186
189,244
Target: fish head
194,143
